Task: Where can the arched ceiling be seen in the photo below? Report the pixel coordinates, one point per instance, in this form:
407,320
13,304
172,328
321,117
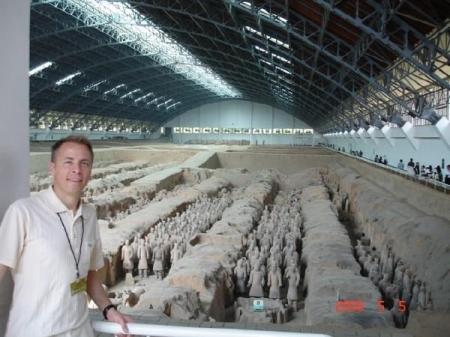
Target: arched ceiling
330,63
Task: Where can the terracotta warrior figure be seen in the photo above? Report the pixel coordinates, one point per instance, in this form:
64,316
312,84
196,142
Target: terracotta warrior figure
293,278
158,263
142,254
274,282
415,296
256,282
127,257
240,271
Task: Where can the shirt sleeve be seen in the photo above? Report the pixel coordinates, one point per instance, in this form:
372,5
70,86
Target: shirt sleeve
97,260
12,236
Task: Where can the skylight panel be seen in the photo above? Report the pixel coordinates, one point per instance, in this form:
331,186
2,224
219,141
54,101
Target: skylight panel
263,12
93,86
114,89
144,97
40,68
130,93
253,30
155,100
265,51
121,21
273,17
283,70
67,78
267,36
173,105
266,62
277,41
246,4
281,58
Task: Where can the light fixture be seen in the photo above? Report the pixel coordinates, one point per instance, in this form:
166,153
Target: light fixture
40,68
67,78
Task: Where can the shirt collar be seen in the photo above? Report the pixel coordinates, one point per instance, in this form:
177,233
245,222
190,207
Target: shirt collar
57,206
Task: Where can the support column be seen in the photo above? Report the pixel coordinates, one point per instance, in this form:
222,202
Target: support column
14,98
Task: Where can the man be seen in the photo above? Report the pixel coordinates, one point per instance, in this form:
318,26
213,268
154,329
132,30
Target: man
50,242
411,167
447,175
401,165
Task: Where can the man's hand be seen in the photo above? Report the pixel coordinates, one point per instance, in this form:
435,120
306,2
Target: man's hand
98,294
115,316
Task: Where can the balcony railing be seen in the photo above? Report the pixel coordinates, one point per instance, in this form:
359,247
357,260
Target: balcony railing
154,330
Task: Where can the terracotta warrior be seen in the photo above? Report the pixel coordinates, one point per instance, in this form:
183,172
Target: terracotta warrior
240,271
256,282
158,263
293,278
127,257
274,282
142,254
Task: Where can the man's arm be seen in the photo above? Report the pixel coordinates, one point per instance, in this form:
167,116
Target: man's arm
98,294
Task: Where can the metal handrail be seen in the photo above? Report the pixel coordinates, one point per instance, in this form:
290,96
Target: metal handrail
154,330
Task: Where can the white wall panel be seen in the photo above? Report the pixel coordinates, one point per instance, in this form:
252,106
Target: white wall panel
239,114
262,116
283,120
430,150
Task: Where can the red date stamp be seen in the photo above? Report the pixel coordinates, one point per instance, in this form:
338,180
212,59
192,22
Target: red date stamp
359,306
350,306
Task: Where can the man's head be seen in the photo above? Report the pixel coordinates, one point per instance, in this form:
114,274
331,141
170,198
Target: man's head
74,139
70,165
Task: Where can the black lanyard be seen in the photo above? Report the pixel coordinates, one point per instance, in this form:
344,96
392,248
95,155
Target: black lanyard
77,261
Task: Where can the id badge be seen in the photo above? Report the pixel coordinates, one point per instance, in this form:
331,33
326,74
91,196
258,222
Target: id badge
78,286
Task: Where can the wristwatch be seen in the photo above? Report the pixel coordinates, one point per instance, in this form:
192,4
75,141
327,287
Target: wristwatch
106,309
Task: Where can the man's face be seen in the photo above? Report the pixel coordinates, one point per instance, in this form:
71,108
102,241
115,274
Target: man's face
71,169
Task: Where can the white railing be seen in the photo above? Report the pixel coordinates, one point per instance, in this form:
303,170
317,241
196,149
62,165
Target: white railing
155,330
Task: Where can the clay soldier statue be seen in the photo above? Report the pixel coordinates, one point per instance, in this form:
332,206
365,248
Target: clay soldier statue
368,264
384,256
293,278
240,271
175,254
359,248
158,263
135,245
363,258
256,282
374,271
143,256
389,266
274,282
392,291
384,283
127,257
415,296
406,293
421,300
246,264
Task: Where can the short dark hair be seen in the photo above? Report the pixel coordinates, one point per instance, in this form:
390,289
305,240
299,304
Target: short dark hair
72,139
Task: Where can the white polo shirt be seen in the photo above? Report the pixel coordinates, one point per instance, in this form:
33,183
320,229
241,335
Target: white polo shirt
34,245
